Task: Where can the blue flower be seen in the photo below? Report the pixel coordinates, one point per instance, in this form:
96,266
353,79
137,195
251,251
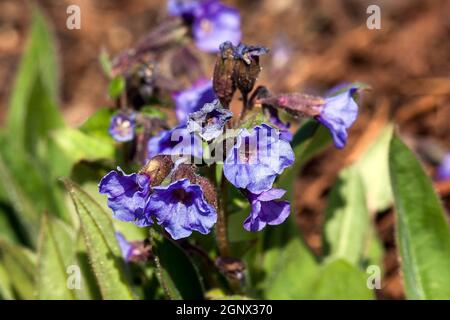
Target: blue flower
209,121
266,209
443,171
192,99
338,114
122,127
257,159
176,142
212,22
133,251
126,248
246,52
181,208
185,8
127,195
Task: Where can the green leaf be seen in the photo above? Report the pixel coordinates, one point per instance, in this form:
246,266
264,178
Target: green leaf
374,170
290,271
153,112
423,233
175,271
116,87
105,62
102,247
27,215
346,218
97,124
339,280
56,254
33,112
76,146
19,264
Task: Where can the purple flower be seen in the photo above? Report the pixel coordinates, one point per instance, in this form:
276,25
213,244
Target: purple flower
246,52
127,195
125,247
443,171
257,158
122,127
192,99
214,24
176,142
209,121
133,251
185,8
266,209
338,114
181,208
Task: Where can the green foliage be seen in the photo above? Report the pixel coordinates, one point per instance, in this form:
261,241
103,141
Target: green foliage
347,218
102,247
116,87
175,271
423,234
56,254
42,235
17,266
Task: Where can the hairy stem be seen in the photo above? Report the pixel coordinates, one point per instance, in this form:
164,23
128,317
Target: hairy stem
221,225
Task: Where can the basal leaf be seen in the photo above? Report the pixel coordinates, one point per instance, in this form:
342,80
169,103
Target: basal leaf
56,255
102,247
27,215
33,112
347,218
339,280
374,170
20,265
288,266
423,233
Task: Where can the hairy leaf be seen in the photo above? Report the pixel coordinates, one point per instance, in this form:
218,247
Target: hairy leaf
423,233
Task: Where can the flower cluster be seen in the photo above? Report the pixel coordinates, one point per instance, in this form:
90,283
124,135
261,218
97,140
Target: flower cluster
253,164
170,189
211,21
179,206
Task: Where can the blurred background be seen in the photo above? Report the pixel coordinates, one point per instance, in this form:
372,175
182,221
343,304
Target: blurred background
314,46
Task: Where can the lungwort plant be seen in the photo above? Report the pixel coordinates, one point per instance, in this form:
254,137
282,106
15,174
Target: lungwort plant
134,204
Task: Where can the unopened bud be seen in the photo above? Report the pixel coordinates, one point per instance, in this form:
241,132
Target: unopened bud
208,190
157,169
184,171
223,81
297,104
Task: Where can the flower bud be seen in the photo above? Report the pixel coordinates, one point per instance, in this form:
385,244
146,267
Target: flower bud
184,171
223,82
231,267
208,190
157,169
297,104
247,67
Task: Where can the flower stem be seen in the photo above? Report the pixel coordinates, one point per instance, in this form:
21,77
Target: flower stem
221,225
